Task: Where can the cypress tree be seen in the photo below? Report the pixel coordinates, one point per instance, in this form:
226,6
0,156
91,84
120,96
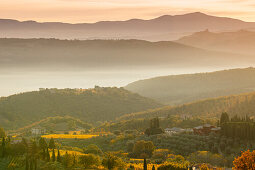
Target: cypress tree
58,157
27,164
145,164
3,148
53,155
48,155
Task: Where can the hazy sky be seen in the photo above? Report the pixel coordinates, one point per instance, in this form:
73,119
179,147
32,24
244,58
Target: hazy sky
94,10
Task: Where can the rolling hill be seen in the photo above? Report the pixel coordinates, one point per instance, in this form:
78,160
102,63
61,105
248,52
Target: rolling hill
91,105
241,42
241,105
164,28
53,54
179,89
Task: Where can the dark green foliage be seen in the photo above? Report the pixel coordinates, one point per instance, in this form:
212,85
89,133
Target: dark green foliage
59,157
110,161
53,157
142,149
154,128
87,105
52,144
47,155
145,164
2,133
89,160
224,118
92,149
3,147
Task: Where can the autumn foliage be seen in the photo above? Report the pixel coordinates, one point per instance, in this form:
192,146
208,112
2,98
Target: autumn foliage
246,161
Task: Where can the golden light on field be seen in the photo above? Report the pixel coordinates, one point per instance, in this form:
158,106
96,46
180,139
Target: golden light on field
68,136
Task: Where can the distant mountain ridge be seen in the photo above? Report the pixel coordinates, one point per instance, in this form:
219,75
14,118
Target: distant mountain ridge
46,54
179,89
241,41
163,28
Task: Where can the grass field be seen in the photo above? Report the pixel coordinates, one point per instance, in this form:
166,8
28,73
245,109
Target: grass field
68,136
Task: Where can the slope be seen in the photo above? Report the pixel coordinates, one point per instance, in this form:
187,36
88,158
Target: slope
241,42
179,89
92,105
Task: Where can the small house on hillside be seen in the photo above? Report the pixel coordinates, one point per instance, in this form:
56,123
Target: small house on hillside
38,131
206,129
174,130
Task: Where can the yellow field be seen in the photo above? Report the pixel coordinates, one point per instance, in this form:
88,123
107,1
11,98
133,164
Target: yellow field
68,136
63,152
139,166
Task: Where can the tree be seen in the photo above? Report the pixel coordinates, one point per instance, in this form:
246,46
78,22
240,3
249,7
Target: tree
52,144
143,147
154,128
224,118
89,160
53,155
58,157
110,161
67,161
2,133
204,167
93,149
3,148
48,155
145,164
245,161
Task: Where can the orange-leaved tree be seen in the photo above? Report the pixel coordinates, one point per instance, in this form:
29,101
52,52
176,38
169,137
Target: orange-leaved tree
246,161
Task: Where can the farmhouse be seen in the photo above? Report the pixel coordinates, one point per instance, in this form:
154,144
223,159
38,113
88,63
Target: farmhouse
38,131
206,129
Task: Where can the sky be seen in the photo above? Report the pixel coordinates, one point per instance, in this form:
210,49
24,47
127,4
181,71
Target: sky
80,11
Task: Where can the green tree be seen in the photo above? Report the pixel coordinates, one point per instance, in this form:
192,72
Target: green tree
143,148
52,144
53,155
110,161
67,160
224,118
145,164
2,133
89,160
93,149
59,156
3,148
48,155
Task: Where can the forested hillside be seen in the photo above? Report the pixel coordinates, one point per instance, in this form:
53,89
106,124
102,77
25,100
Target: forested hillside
242,105
92,105
45,54
241,42
179,89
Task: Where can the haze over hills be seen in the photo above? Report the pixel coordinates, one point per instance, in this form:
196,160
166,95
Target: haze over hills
179,89
91,105
241,105
45,54
164,28
241,41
